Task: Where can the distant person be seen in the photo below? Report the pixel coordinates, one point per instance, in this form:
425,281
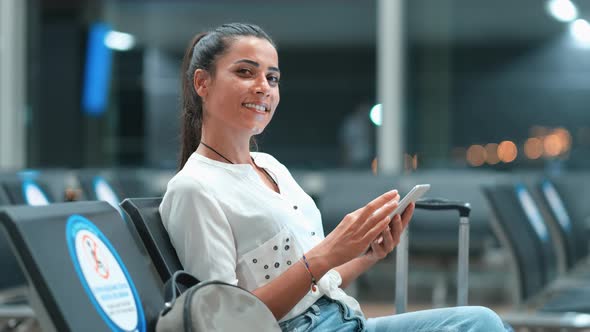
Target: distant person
356,137
238,216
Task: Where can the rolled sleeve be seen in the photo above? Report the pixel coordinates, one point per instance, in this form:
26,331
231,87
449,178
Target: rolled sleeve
199,231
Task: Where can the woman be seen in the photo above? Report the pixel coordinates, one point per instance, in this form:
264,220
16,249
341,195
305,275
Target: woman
238,216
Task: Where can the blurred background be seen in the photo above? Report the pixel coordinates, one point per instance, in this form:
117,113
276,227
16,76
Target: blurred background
475,74
374,94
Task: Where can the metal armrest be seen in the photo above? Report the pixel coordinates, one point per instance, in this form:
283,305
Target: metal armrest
567,320
16,311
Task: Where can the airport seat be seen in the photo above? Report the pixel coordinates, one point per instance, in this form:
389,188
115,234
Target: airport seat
27,192
18,192
104,184
522,229
572,231
11,277
55,183
144,214
86,270
3,197
574,188
97,187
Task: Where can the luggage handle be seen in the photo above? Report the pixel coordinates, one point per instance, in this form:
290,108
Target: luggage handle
464,208
401,271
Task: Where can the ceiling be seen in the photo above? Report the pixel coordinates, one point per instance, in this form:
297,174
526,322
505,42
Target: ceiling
171,24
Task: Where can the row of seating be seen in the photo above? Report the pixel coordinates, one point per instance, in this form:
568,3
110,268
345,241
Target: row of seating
339,191
335,192
34,187
547,242
37,188
88,268
512,208
141,229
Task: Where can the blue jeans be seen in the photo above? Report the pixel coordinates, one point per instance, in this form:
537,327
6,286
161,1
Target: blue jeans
329,315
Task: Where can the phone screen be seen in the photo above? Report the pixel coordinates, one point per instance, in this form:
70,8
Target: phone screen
414,194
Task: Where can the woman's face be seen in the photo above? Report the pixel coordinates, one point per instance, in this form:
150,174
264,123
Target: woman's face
243,91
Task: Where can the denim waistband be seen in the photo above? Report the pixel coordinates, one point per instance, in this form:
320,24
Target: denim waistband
323,301
324,313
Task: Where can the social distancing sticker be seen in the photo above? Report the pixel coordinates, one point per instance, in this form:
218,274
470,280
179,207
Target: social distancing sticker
104,276
104,192
34,195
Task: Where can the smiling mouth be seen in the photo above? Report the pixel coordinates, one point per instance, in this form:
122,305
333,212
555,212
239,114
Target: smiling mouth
256,107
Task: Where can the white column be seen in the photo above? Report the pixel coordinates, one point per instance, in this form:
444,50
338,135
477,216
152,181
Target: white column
390,85
12,83
390,135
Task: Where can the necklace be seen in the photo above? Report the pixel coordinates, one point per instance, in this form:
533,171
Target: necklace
231,162
219,154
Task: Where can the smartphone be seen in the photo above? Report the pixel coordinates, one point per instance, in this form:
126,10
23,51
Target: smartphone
414,194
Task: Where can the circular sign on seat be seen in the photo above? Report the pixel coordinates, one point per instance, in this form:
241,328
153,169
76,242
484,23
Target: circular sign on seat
34,194
104,276
104,192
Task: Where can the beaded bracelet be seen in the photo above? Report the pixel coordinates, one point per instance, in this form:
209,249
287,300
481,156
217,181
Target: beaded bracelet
314,284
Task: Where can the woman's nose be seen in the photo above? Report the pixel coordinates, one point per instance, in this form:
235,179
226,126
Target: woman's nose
262,87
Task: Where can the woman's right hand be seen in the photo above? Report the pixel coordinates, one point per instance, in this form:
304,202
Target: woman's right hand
353,235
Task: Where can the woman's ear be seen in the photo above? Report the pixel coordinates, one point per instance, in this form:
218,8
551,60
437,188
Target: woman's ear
201,82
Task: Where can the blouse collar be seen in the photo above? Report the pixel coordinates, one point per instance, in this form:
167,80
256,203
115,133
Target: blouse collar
241,168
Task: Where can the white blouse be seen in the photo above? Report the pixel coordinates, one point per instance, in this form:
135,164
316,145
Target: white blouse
226,224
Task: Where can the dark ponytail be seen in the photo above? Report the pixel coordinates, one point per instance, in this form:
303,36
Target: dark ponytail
191,118
202,53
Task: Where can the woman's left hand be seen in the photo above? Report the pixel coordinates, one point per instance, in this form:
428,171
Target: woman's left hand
389,238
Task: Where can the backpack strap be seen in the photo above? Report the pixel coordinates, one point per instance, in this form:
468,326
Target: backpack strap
176,285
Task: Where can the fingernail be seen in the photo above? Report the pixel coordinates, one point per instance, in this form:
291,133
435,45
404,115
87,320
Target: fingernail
392,191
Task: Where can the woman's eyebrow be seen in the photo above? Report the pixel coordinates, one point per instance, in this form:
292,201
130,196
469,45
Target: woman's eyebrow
256,64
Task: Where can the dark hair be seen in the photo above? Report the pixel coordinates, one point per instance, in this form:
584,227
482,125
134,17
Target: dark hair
202,53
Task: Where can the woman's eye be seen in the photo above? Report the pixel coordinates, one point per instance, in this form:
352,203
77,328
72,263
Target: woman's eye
273,80
245,71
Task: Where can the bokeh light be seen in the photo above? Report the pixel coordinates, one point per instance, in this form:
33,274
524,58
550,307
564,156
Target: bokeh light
376,115
492,153
119,41
410,162
562,10
533,148
565,139
476,155
580,30
507,151
374,166
552,145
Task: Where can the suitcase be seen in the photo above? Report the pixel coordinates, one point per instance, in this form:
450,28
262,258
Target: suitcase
401,268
